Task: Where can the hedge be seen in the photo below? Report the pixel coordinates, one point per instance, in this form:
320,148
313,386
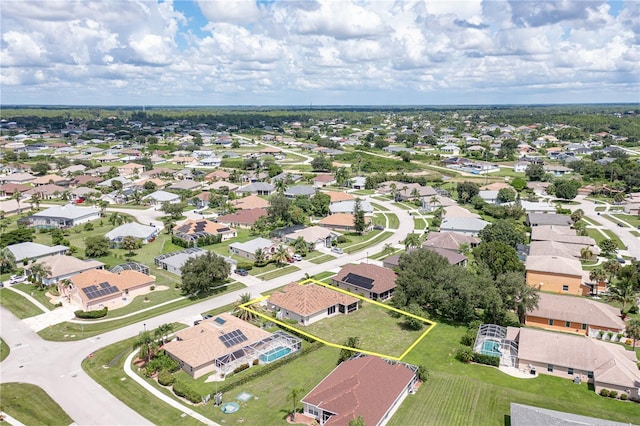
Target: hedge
184,391
486,359
247,266
240,368
91,314
165,378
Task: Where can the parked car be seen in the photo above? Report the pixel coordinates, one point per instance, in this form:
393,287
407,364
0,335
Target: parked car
337,250
297,257
196,322
207,316
621,260
378,228
15,279
242,272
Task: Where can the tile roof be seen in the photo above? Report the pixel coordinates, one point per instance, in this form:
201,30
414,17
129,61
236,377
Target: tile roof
340,219
63,265
312,234
244,217
578,309
252,245
250,202
309,299
556,248
337,196
68,211
538,219
349,205
200,344
384,279
554,265
367,386
449,240
559,233
453,257
192,226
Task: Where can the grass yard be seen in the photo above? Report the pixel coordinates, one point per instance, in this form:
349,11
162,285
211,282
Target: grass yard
419,223
595,234
364,192
378,207
126,390
615,238
635,233
591,222
368,243
279,272
322,259
323,276
18,400
380,219
4,350
614,220
632,220
462,394
394,222
18,305
404,206
69,331
601,209
377,329
36,292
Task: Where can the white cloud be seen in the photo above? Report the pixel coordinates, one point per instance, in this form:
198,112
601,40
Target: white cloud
233,11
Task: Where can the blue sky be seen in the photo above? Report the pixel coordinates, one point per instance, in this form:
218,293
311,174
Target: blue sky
324,52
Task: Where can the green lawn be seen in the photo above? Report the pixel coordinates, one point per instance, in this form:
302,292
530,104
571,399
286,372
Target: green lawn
614,220
279,272
18,401
378,207
4,350
615,238
394,222
321,259
149,300
18,305
374,239
635,233
323,276
364,192
595,234
600,209
126,390
405,206
377,329
419,223
461,394
69,331
591,222
36,292
632,220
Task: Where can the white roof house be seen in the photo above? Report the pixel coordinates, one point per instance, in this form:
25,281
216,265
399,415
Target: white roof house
133,229
463,225
349,205
31,250
159,197
63,216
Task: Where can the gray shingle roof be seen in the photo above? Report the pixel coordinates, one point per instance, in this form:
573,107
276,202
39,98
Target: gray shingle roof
68,211
31,250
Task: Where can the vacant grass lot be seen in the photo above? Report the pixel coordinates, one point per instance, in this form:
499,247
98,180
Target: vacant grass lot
470,394
18,305
31,405
377,329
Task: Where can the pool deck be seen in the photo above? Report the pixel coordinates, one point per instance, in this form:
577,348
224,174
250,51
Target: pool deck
514,372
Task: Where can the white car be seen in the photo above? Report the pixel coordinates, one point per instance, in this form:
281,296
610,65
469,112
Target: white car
15,279
337,250
297,257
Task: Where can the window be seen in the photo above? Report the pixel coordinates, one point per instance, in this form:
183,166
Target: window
565,288
550,322
313,411
550,368
570,371
584,326
567,323
590,374
331,310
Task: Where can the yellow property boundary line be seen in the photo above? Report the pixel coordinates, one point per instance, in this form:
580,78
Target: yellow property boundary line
432,324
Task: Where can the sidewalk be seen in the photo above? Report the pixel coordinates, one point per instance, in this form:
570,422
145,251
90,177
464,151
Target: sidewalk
29,298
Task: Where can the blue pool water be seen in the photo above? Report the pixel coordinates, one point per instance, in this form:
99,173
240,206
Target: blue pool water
274,354
490,347
230,407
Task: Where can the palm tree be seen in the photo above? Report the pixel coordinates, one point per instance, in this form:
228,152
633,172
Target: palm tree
387,247
597,275
145,343
40,271
415,194
259,256
7,261
300,245
394,191
586,253
611,266
35,199
526,301
281,185
163,331
633,330
103,206
281,255
16,196
622,291
404,190
412,240
433,201
244,314
293,395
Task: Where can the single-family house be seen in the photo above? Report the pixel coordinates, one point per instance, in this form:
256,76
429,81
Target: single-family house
323,179
562,234
299,190
22,178
158,198
556,170
248,249
32,251
46,192
99,288
463,225
451,241
489,197
575,315
64,267
556,274
217,175
548,219
314,236
358,182
47,179
242,218
185,185
527,415
343,222
250,202
144,233
223,343
309,303
349,206
8,189
258,188
193,229
537,207
365,386
62,216
339,196
109,182
222,185
130,170
174,261
560,249
371,281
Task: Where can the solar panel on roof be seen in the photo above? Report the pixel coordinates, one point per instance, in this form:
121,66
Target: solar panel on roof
183,228
358,281
220,320
103,289
233,338
223,229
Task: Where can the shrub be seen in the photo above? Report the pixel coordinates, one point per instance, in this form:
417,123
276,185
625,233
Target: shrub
165,378
153,287
91,314
469,338
600,334
256,361
240,368
604,392
610,335
184,391
620,336
613,394
342,239
245,265
465,355
57,305
634,309
486,359
624,396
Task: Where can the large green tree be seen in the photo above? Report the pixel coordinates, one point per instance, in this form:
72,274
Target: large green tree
204,273
278,210
320,203
467,190
96,246
503,230
497,258
516,294
359,222
535,172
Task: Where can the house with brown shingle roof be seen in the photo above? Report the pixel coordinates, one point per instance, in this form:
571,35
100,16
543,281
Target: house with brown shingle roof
242,218
97,288
323,179
8,189
450,240
63,267
250,202
47,179
574,315
365,386
310,303
217,175
343,222
339,196
372,281
196,227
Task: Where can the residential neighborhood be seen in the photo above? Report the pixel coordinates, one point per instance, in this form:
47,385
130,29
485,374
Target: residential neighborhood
324,267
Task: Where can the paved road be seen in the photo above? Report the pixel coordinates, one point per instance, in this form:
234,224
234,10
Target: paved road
55,366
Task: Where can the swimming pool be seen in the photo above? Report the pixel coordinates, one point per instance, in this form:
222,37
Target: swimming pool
491,347
275,354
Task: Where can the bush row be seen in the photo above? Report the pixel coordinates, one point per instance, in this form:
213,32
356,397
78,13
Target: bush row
247,266
165,378
486,359
184,391
240,368
91,314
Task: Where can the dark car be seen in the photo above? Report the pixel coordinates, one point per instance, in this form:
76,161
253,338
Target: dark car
242,272
207,316
378,227
621,260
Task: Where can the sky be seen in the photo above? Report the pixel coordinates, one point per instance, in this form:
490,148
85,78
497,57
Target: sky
318,52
